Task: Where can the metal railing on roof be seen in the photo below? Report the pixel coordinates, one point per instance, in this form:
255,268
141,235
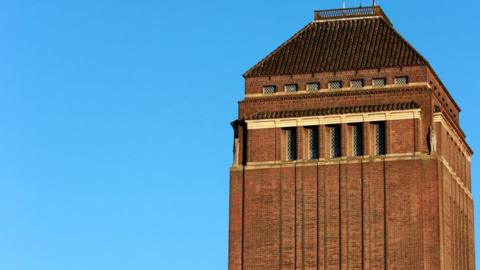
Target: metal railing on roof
333,13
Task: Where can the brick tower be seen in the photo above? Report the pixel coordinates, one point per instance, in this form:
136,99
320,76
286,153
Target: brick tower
349,155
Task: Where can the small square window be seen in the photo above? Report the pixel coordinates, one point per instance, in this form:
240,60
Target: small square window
271,89
401,80
356,83
335,85
312,86
291,88
378,82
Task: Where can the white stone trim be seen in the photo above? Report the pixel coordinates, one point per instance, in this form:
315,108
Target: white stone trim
328,161
349,160
334,119
457,179
439,118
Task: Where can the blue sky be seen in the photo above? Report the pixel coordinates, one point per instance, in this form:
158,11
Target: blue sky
115,140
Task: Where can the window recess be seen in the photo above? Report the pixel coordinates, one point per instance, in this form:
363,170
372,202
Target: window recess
379,82
290,88
313,151
402,80
312,87
335,85
357,140
335,141
269,89
380,138
291,143
355,84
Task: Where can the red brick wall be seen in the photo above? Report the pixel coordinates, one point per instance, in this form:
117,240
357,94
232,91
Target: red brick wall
401,136
371,214
235,249
457,225
452,153
457,206
262,145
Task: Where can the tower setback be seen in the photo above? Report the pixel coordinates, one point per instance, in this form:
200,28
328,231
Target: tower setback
349,155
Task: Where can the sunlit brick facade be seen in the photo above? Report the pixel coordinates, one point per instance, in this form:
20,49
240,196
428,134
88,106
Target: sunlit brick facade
349,155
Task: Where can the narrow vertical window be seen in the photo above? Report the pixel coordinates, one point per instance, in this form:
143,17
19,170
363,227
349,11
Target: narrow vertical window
335,141
291,140
380,138
357,140
312,143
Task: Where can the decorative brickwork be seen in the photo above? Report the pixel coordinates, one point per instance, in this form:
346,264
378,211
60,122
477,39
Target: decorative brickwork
333,111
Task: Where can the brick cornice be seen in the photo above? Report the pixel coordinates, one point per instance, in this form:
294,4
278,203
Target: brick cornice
371,108
338,94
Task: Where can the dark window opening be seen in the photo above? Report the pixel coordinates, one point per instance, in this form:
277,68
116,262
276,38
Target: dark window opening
291,140
313,152
335,141
380,138
357,140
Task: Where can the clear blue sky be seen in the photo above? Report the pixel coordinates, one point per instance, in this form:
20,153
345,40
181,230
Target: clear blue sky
115,141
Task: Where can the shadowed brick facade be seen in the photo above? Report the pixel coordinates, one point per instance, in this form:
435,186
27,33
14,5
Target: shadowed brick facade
408,206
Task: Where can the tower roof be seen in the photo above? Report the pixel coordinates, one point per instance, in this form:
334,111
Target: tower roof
340,40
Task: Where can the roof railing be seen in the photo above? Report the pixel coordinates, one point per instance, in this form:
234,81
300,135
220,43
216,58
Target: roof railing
331,14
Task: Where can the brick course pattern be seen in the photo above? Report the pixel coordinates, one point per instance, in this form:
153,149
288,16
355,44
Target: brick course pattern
408,209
